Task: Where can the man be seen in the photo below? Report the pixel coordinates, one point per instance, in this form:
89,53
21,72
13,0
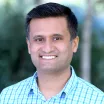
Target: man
52,39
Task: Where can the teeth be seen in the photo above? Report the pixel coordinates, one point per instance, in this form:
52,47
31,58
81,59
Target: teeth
48,57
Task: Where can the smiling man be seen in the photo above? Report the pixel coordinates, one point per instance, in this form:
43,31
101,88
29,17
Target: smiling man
52,39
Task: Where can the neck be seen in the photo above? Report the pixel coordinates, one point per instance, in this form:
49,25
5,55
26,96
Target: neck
51,84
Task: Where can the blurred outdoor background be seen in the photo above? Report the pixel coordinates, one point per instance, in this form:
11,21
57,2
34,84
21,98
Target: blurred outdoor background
15,62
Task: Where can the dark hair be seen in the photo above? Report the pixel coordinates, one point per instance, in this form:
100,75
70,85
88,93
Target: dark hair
53,10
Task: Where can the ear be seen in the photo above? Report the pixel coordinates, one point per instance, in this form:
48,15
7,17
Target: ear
75,43
28,45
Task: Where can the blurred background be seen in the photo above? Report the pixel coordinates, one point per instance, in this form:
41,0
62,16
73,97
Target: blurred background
15,62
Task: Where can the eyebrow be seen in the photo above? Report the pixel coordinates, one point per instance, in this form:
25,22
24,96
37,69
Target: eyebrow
36,36
57,34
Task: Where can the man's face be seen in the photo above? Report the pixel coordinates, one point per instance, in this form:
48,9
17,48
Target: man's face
49,44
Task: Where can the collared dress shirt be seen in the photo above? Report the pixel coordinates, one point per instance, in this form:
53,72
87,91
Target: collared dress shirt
76,91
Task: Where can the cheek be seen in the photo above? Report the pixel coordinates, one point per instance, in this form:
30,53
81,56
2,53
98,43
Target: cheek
34,52
66,48
34,48
67,52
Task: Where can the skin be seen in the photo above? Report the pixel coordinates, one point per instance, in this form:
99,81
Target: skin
51,52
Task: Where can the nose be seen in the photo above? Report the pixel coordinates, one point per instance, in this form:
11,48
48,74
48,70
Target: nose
48,47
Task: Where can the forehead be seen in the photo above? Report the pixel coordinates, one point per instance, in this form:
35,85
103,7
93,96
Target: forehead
50,25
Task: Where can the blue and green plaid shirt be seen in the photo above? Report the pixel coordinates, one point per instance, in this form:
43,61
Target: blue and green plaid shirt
76,91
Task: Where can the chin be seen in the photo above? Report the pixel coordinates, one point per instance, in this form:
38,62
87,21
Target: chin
47,68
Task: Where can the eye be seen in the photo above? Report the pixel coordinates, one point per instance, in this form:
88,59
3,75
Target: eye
57,38
39,39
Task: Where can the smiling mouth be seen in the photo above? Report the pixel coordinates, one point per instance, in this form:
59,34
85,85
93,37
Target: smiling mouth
48,57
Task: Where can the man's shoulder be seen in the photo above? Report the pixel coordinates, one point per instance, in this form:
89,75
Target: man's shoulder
89,87
15,91
16,87
88,93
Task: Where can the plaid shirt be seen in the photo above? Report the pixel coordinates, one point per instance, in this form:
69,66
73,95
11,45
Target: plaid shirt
76,91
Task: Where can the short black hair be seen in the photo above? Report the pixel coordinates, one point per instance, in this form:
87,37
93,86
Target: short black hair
53,10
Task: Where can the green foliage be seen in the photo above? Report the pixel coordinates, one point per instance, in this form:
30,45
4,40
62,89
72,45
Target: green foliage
97,61
15,63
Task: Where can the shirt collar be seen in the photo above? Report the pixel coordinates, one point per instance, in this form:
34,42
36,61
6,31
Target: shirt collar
33,84
70,85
